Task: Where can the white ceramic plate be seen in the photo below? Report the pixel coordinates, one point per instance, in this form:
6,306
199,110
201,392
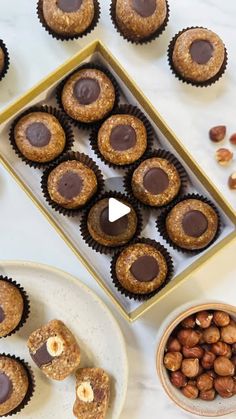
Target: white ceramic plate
55,294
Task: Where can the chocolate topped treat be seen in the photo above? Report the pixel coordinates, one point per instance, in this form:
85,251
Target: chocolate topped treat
192,224
72,184
139,20
122,139
92,393
14,384
39,137
198,55
156,182
68,18
54,350
88,95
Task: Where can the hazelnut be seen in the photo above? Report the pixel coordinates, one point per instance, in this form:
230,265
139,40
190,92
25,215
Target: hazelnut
208,360
211,373
207,395
173,361
211,334
201,371
178,379
232,181
228,333
189,322
205,382
223,366
233,139
221,318
173,345
190,391
190,367
189,337
217,133
224,156
224,386
195,352
203,319
221,349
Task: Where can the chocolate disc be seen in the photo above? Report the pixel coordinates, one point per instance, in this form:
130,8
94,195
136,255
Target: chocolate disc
201,51
5,388
87,91
70,185
145,268
112,228
123,137
144,8
194,223
2,315
41,356
38,134
69,6
156,181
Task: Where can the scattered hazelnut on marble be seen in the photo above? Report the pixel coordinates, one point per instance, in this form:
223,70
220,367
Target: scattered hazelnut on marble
189,337
228,333
211,334
207,395
195,352
233,139
173,361
204,319
221,318
221,349
232,181
173,345
190,391
224,386
208,360
224,156
224,367
205,382
190,367
178,379
189,322
217,133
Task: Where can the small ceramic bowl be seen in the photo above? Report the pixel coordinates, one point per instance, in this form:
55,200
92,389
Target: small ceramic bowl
217,407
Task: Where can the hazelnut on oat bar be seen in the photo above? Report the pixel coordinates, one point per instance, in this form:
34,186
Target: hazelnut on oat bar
54,350
92,394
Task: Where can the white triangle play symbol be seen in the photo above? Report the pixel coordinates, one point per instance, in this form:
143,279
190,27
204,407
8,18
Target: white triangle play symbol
116,210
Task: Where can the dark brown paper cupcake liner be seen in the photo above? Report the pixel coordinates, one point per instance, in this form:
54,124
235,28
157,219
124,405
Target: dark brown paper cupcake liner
64,123
6,60
59,89
99,248
161,224
131,110
164,154
60,37
194,83
145,40
142,297
26,302
82,158
31,387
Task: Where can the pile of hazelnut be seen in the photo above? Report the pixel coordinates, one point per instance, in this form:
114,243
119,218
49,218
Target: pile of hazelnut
201,356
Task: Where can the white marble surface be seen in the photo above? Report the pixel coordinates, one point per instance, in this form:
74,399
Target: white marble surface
25,234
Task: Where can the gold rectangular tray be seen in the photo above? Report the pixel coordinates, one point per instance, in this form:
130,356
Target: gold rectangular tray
10,161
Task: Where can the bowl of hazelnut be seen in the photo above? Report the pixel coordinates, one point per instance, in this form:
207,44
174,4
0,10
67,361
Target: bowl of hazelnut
196,358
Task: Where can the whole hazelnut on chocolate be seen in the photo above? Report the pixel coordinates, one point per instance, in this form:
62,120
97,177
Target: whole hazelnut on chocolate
221,318
232,181
189,322
221,349
224,386
207,395
208,360
190,367
228,333
189,337
224,156
223,366
205,382
173,345
190,391
195,352
217,133
233,139
178,379
173,361
211,334
204,319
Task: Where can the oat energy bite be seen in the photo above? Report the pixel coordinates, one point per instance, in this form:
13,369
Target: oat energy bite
198,55
54,350
88,95
92,393
39,137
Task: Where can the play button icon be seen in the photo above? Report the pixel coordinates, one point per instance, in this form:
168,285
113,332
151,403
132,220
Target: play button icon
117,210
